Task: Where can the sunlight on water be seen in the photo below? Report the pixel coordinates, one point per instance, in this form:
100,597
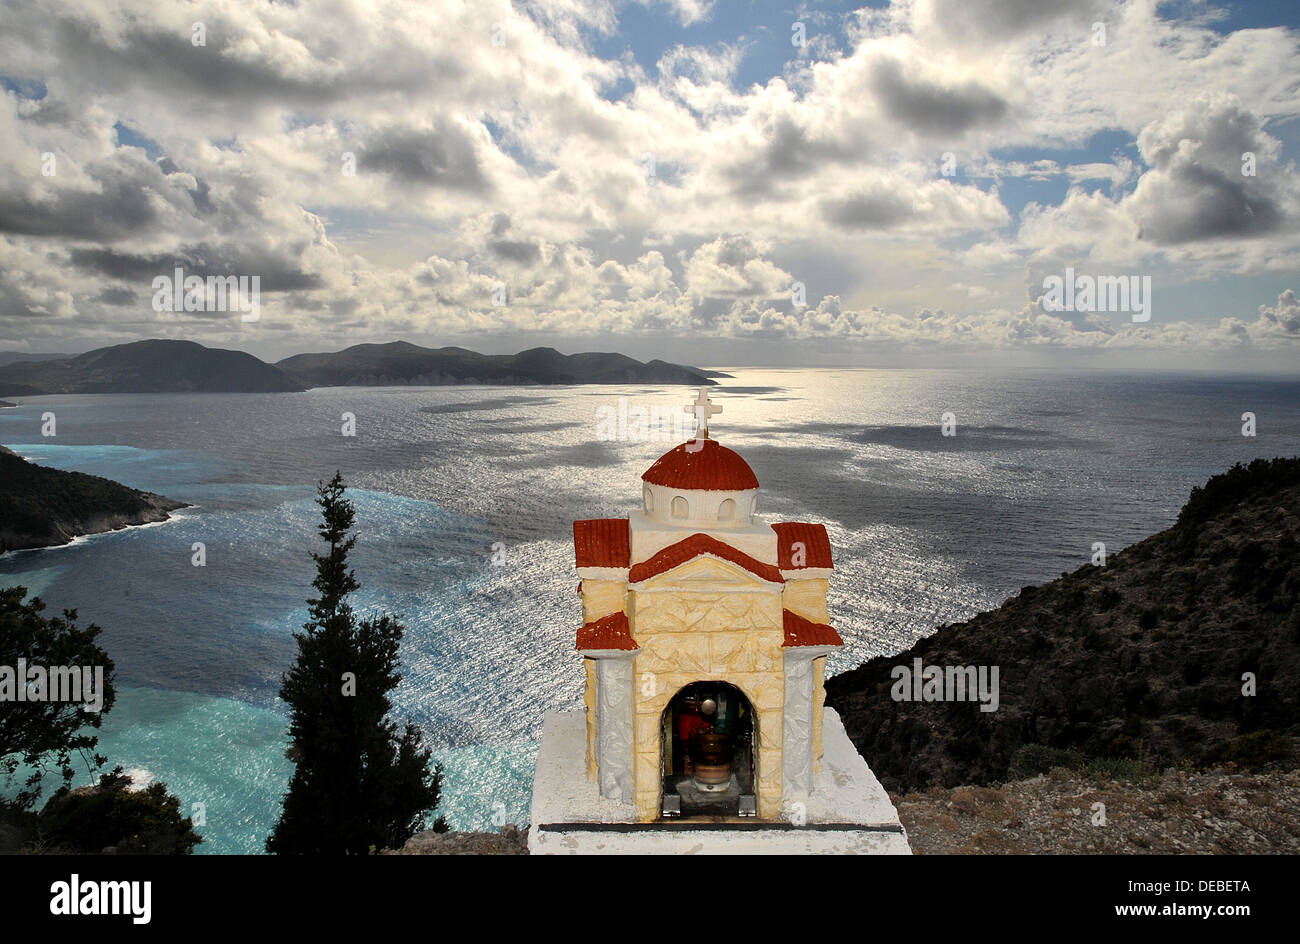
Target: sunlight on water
926,530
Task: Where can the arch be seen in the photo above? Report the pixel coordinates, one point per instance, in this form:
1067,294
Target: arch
694,779
727,510
680,508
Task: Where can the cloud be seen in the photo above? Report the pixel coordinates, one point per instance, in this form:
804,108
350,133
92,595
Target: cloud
443,156
1196,189
733,267
1002,21
516,155
278,271
930,107
1281,320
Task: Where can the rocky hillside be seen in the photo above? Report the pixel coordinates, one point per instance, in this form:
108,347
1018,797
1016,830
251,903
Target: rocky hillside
41,507
1141,659
1068,812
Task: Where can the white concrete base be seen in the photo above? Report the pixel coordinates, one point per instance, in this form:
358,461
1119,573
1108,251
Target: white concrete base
849,812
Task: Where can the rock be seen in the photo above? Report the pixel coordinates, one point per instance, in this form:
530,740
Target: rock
434,843
1140,660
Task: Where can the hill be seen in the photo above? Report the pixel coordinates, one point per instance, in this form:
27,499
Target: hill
42,507
402,363
1141,659
13,357
155,366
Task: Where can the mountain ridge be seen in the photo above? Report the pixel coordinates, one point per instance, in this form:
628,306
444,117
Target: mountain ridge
399,363
171,366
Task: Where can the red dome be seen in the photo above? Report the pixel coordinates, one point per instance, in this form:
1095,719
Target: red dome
712,468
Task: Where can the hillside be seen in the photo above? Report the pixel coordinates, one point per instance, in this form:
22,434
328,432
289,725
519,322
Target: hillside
154,366
42,507
13,357
1141,659
402,363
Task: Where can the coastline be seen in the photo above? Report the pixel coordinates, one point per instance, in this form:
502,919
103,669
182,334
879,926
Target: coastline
87,536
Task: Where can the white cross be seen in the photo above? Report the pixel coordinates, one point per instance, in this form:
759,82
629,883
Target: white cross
703,408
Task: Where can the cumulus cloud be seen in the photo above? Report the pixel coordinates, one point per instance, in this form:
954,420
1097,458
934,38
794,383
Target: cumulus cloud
442,156
1281,320
731,267
1001,21
933,107
617,193
1197,188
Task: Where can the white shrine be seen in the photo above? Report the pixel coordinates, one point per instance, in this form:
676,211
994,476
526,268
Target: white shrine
704,640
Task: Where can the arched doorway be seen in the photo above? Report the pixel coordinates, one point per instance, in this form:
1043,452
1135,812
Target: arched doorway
708,737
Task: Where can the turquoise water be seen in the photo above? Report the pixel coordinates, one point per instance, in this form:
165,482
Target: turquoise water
925,530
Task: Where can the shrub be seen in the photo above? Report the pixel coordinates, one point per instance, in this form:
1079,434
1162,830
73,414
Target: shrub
112,817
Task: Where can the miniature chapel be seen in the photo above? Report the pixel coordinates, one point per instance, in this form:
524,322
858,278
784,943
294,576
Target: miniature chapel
705,635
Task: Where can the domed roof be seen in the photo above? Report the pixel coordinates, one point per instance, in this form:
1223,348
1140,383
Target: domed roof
704,465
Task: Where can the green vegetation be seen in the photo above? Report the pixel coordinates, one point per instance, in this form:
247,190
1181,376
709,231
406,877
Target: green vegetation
1240,484
1182,651
1035,759
40,507
112,817
51,737
45,736
358,785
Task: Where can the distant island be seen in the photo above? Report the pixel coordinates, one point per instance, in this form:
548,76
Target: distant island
162,366
1183,649
43,507
146,367
401,363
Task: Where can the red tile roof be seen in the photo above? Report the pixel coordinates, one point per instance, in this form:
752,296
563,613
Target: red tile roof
691,548
704,465
804,632
602,542
816,545
608,632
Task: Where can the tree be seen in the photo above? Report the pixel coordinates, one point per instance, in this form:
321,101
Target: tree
46,736
358,785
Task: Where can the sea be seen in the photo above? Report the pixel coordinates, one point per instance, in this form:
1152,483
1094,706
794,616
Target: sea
465,498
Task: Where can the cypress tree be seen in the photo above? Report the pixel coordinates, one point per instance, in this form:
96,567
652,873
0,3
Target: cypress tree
358,785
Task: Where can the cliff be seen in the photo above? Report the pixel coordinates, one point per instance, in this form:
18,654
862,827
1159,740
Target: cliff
1140,660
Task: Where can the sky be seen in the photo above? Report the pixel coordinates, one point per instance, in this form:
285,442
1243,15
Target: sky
720,182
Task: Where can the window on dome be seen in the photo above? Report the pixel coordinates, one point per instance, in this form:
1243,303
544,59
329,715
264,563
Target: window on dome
679,507
649,500
727,510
